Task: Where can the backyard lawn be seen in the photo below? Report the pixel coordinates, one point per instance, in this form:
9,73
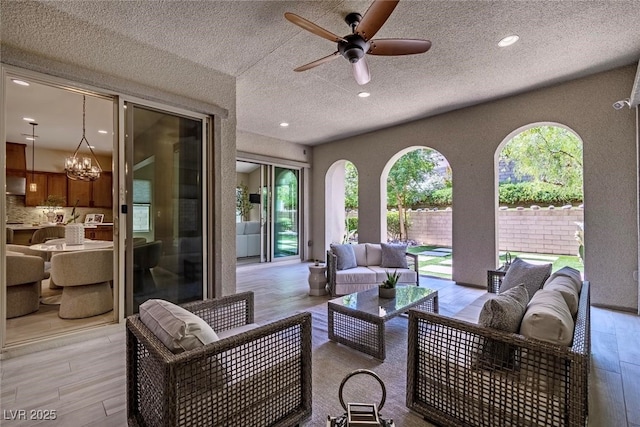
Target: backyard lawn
436,260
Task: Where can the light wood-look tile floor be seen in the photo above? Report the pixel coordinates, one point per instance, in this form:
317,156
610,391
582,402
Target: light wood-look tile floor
85,382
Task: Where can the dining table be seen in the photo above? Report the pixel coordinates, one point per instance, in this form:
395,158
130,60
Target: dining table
59,245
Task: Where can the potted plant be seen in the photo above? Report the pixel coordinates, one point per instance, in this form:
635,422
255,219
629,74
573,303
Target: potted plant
52,203
387,289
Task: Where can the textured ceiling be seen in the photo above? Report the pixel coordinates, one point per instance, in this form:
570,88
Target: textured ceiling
252,41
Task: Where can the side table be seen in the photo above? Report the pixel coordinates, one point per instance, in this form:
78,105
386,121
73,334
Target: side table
317,280
494,278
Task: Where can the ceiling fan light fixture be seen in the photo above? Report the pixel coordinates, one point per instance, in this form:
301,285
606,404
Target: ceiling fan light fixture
509,40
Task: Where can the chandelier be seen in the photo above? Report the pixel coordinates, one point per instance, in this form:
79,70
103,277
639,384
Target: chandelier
82,168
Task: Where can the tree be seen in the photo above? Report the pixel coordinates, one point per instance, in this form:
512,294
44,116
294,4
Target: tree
350,186
404,184
548,154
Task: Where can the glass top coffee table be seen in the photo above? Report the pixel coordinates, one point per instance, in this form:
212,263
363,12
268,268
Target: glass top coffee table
357,320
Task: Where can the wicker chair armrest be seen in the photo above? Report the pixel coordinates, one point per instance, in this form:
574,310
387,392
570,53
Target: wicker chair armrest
226,312
261,368
332,266
412,262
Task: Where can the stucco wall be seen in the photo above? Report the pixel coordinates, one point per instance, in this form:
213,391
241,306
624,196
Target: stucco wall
469,139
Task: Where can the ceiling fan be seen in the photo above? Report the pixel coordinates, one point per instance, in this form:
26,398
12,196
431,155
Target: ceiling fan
356,45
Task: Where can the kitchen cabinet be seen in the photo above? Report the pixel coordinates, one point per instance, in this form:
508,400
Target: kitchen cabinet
100,232
57,185
80,192
48,184
101,192
16,159
36,198
91,194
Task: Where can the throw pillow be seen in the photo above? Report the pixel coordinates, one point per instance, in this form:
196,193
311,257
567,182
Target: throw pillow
548,319
570,273
178,329
567,289
394,256
521,272
346,257
503,312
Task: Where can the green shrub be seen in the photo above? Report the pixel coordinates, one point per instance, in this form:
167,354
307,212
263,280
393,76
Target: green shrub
352,223
393,225
537,193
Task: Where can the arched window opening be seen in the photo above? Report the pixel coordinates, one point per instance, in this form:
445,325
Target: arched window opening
417,183
540,196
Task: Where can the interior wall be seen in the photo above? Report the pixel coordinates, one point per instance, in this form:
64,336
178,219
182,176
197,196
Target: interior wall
469,137
115,62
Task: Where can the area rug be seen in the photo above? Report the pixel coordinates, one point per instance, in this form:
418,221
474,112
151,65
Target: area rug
332,362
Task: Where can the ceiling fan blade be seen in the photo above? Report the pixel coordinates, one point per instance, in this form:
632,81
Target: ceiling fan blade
311,27
375,17
317,62
398,46
361,71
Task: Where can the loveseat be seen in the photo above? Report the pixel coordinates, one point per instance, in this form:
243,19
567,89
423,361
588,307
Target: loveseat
464,373
247,239
206,363
358,267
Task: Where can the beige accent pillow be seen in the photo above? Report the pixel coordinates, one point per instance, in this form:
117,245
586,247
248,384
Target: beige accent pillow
374,253
570,273
177,328
567,289
548,318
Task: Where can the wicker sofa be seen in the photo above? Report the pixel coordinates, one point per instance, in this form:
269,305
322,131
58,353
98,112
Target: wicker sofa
368,271
545,385
258,377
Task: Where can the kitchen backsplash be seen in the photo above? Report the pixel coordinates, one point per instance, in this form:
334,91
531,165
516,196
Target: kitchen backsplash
18,213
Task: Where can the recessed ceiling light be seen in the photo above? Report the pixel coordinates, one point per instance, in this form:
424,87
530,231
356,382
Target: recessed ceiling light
508,41
284,124
364,94
28,119
102,131
20,82
92,146
30,138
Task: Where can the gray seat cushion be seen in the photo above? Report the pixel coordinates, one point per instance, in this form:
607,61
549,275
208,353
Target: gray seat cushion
357,275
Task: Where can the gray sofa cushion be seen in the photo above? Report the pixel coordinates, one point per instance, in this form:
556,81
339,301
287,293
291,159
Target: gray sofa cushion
531,275
393,256
345,256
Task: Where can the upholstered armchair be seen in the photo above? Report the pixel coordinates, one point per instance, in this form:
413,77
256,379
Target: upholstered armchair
47,233
85,277
245,375
24,281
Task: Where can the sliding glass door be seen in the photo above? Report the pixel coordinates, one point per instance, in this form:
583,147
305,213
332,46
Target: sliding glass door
285,212
165,226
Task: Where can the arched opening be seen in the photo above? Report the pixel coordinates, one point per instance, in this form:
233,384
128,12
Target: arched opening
416,189
539,196
341,203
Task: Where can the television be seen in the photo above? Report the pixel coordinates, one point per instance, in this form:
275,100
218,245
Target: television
254,198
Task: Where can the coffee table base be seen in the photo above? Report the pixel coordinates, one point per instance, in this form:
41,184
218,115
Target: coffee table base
364,332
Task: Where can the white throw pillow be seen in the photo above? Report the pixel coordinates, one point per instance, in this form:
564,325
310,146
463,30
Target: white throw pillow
548,318
567,289
177,328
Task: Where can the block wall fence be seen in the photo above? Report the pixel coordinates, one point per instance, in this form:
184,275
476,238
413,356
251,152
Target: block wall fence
547,231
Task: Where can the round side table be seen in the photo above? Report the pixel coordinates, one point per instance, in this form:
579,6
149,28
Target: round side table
317,280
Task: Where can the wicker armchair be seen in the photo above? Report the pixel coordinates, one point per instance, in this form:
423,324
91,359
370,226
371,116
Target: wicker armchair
261,377
545,385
